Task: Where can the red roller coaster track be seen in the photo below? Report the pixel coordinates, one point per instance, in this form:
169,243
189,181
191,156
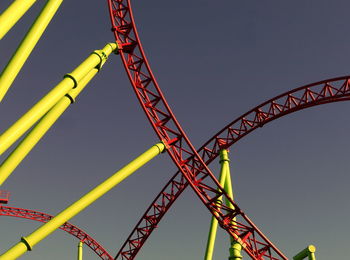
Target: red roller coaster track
180,149
328,91
69,228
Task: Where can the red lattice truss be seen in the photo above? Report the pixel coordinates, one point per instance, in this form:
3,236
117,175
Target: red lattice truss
328,91
180,149
192,166
69,228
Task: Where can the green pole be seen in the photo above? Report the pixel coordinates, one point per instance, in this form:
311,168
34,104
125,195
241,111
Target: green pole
12,14
80,250
34,136
235,248
308,252
70,81
27,45
27,243
214,223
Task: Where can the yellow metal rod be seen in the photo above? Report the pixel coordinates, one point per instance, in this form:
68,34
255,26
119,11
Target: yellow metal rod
80,250
27,45
34,136
95,60
27,243
12,14
209,251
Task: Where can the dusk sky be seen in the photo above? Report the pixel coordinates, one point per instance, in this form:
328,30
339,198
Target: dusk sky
214,61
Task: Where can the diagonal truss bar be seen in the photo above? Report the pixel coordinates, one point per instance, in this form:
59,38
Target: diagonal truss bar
297,99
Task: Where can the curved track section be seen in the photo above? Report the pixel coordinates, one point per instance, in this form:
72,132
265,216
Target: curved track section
328,91
180,149
69,228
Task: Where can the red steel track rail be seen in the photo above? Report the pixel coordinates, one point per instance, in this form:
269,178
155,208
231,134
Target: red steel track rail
180,149
69,228
327,91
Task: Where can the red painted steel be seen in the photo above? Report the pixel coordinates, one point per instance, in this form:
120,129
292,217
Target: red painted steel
180,149
4,196
327,91
69,228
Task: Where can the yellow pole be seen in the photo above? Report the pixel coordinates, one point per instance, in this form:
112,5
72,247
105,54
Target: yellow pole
209,251
34,136
27,45
80,250
27,243
95,60
12,14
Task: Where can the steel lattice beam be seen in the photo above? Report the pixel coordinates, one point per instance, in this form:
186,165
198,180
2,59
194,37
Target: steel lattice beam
323,92
180,149
67,227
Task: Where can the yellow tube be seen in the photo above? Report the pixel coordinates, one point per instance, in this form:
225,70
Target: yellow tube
12,14
34,136
13,133
80,250
27,243
27,45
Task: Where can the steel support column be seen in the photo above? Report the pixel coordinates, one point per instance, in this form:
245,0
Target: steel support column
12,14
225,181
27,243
45,123
308,253
70,81
27,45
80,250
235,248
214,223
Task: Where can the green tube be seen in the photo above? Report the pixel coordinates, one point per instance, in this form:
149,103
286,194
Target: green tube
308,252
27,243
235,248
34,136
70,81
12,14
209,251
235,251
27,45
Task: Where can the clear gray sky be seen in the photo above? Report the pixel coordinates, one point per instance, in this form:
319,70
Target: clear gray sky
214,60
